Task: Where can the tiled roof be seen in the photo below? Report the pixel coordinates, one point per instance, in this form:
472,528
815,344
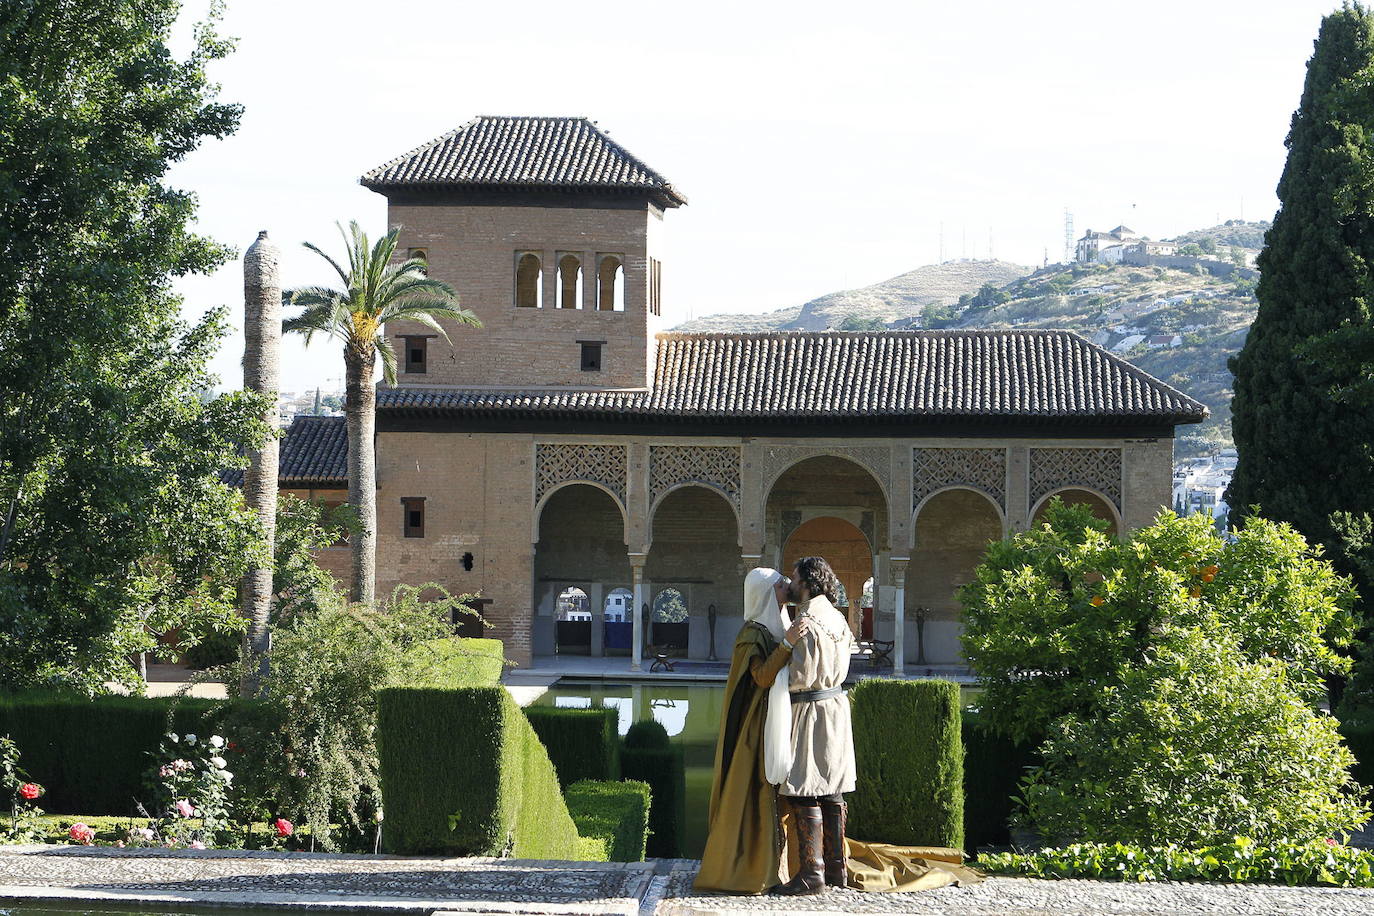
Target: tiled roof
314,453
837,375
524,152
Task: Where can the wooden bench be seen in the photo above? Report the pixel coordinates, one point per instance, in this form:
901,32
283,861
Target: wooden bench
878,651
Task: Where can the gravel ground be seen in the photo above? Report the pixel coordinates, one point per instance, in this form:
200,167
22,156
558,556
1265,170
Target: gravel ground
659,888
1027,896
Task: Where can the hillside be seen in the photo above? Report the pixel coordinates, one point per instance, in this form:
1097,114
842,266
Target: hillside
894,301
1179,325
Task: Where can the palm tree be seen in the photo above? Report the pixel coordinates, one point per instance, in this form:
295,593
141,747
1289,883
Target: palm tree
375,292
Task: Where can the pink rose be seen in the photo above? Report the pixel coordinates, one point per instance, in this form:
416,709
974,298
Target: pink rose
82,834
284,827
185,808
30,790
197,844
1331,842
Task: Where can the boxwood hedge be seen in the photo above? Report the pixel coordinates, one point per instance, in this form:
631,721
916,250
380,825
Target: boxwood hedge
617,812
582,743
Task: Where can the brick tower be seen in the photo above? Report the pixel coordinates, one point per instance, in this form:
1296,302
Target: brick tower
552,234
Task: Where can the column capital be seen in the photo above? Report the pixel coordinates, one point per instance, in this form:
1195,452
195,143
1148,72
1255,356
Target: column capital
638,560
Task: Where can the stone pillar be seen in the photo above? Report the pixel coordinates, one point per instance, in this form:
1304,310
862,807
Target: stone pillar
898,566
1018,490
637,561
596,594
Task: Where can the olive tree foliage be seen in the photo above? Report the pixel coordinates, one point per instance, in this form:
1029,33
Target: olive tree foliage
113,522
1173,676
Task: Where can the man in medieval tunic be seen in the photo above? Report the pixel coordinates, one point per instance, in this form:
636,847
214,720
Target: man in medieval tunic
822,738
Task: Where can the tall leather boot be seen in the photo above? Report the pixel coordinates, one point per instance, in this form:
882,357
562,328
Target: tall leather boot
810,877
834,815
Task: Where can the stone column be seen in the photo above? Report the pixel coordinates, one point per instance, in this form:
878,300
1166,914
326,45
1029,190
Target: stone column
1018,490
596,594
898,566
637,561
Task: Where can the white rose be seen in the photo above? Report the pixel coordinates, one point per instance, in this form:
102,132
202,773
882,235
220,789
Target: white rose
379,815
172,738
191,740
216,741
228,777
219,762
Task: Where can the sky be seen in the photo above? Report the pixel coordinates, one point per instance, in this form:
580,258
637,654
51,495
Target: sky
821,146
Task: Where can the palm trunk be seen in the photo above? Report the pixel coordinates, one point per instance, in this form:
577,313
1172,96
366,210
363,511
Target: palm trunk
361,410
261,359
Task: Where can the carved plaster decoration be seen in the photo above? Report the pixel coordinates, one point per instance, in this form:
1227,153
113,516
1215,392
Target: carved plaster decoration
983,469
791,521
560,462
1095,468
775,459
714,466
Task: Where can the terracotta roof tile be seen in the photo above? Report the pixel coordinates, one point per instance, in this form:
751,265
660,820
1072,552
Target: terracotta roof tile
836,374
524,152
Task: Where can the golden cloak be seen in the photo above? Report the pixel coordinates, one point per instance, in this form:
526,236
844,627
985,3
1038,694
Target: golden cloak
743,847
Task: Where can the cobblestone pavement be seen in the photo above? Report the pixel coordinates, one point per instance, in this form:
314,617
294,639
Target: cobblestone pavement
662,888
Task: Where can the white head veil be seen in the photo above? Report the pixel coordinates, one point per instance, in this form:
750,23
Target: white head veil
761,606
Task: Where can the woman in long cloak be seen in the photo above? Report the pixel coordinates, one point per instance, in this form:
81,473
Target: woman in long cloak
743,844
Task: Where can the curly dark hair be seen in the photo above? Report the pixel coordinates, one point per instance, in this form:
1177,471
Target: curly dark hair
819,578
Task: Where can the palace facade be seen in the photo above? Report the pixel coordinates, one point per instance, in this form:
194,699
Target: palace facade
604,484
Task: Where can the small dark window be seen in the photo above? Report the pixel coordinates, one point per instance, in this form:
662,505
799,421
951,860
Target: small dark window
413,509
417,354
418,254
591,356
467,562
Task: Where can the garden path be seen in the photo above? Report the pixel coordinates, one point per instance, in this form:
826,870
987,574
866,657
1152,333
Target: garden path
396,885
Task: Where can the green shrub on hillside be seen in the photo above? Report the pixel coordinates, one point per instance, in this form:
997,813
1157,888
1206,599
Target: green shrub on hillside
582,743
616,812
910,761
463,773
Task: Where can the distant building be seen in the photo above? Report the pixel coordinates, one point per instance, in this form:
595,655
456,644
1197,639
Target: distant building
1156,341
1090,246
1128,343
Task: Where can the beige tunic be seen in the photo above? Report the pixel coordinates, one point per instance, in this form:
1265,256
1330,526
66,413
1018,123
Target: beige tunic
822,737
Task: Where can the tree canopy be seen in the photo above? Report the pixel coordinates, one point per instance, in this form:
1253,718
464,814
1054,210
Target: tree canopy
115,524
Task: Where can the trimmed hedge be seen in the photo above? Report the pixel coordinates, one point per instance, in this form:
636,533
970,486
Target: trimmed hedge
993,767
910,759
463,773
453,663
616,812
91,755
582,743
649,756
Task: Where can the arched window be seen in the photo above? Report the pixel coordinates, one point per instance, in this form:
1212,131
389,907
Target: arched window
618,604
670,607
610,284
573,604
569,281
528,288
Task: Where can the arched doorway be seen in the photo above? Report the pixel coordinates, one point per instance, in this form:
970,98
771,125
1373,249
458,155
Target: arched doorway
952,531
831,507
1074,496
581,545
573,622
619,622
849,554
693,564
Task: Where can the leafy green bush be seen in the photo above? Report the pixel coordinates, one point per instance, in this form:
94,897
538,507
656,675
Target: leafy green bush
910,761
1319,862
1196,745
1057,612
617,812
582,743
1176,674
993,768
649,756
90,755
463,773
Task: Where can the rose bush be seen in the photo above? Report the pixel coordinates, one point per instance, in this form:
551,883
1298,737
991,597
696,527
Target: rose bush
14,782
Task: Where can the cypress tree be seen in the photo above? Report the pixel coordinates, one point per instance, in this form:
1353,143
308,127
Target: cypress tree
1305,449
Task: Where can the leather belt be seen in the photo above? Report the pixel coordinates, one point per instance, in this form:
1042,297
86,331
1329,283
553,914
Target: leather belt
815,696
